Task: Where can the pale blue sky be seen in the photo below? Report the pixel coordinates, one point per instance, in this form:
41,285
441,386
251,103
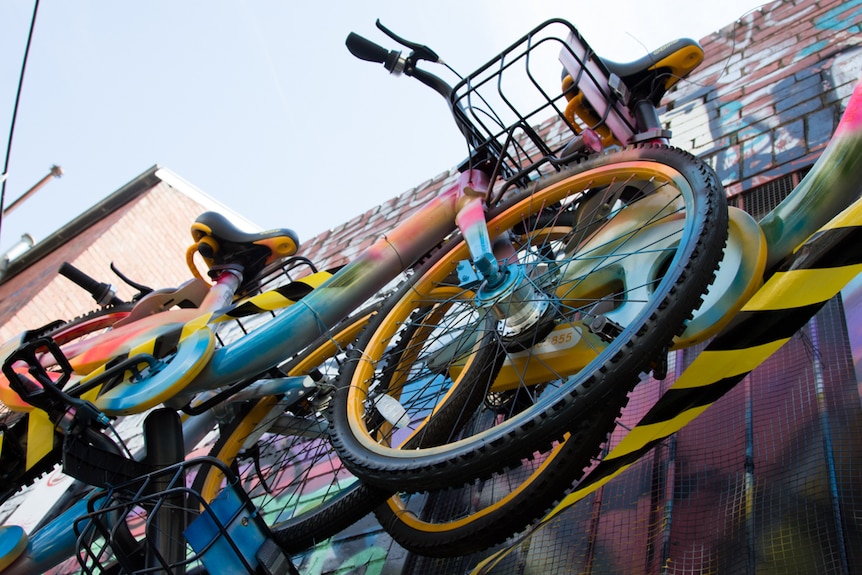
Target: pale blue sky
258,103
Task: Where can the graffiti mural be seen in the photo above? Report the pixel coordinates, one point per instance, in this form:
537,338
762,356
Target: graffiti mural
759,117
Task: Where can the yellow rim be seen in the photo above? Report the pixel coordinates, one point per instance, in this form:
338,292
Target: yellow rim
421,292
214,479
397,505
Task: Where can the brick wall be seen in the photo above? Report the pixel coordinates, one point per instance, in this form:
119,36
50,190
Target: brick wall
769,93
764,103
146,239
341,244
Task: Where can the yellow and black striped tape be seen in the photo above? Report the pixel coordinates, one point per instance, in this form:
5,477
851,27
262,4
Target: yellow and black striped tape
279,297
812,275
157,347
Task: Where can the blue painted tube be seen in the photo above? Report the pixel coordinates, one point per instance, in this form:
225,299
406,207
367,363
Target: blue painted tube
51,545
331,302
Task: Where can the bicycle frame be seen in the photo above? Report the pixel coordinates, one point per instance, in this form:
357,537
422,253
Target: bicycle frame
356,283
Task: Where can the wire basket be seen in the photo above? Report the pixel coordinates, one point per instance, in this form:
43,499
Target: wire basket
157,524
526,114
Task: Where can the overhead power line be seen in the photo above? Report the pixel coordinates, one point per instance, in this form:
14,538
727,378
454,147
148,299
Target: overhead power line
5,173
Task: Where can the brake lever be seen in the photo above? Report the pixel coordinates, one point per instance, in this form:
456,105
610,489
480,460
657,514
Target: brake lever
142,289
420,51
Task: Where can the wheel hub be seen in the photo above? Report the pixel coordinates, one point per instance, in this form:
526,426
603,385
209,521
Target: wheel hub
516,303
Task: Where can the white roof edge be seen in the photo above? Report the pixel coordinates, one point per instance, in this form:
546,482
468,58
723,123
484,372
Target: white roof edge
204,199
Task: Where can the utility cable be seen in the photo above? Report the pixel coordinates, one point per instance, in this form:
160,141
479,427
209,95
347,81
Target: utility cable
5,172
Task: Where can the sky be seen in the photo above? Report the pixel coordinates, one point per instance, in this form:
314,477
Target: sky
258,103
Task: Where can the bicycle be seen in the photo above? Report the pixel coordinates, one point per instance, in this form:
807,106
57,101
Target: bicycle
100,462
522,280
755,253
488,528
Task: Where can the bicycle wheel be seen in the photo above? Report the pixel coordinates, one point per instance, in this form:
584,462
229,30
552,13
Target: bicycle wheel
280,450
314,496
612,257
469,519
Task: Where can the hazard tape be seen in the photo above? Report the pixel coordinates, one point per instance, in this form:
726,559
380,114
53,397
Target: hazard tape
810,277
279,297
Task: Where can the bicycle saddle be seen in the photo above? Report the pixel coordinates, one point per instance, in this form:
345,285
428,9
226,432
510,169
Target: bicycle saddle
670,63
221,243
603,95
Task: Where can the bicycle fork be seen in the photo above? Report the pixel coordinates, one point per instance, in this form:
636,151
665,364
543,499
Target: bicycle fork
504,290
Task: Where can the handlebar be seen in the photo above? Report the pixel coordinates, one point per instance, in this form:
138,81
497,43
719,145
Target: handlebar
103,293
367,50
395,63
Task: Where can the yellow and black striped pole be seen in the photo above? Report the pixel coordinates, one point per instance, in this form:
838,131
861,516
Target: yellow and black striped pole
813,274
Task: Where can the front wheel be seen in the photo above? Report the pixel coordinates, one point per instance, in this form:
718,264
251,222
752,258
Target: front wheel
609,259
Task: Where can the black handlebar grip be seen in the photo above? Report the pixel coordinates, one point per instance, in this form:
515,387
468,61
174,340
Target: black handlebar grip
365,49
80,278
103,293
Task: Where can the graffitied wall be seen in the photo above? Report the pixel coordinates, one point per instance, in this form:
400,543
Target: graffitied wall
768,95
768,479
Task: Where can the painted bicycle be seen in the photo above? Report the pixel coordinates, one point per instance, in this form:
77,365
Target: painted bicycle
768,266
31,445
540,285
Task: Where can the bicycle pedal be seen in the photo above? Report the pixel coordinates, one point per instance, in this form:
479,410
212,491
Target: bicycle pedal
37,386
605,328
